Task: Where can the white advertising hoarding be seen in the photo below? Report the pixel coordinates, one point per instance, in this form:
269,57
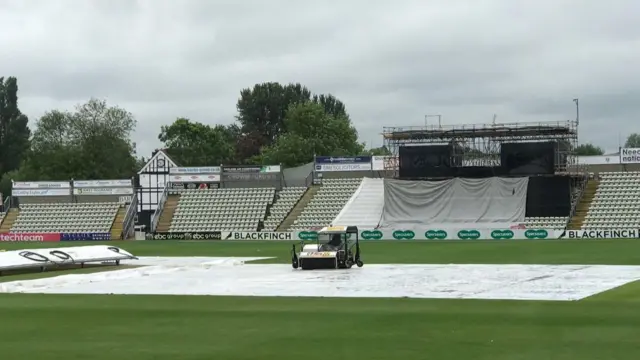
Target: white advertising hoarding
195,170
41,185
194,178
630,155
103,191
101,183
40,192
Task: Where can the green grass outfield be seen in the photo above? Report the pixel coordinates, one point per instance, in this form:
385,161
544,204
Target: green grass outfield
606,326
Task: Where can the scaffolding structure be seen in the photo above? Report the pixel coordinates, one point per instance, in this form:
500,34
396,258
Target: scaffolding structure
480,144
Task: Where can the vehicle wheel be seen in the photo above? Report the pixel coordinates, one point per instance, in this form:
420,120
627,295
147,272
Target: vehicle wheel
359,263
348,264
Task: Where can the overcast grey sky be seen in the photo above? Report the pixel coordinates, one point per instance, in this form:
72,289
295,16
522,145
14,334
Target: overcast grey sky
391,62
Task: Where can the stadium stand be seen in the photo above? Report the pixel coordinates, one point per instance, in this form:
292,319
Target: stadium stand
93,217
327,203
545,222
616,203
239,209
286,200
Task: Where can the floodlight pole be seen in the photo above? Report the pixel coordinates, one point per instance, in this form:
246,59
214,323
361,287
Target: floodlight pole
577,101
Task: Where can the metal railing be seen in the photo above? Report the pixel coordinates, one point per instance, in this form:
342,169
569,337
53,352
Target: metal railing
578,198
156,214
7,204
128,224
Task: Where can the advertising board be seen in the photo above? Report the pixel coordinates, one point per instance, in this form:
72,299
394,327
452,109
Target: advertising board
41,192
30,237
41,185
211,178
104,191
630,155
407,234
192,235
195,170
601,234
343,163
251,169
85,236
237,235
101,183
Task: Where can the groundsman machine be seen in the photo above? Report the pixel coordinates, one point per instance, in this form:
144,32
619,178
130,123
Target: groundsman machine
336,247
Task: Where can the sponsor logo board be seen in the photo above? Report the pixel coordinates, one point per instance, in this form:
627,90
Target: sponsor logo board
41,192
195,170
193,235
30,237
536,234
469,234
343,159
85,236
103,191
376,234
404,234
343,167
258,236
101,183
251,169
601,234
194,178
435,234
502,234
343,163
41,185
371,235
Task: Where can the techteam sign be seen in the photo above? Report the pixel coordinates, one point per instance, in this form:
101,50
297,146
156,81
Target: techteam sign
601,234
30,237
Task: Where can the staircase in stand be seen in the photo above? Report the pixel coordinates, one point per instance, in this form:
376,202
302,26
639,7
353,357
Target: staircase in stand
583,206
8,221
297,210
118,222
166,216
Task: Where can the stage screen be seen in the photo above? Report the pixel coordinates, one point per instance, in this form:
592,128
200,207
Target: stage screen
532,158
425,161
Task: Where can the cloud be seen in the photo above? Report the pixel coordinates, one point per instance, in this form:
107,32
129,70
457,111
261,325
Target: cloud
390,62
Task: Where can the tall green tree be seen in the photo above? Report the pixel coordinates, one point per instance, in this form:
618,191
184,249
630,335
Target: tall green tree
262,110
331,105
196,144
589,149
311,131
92,142
14,130
633,141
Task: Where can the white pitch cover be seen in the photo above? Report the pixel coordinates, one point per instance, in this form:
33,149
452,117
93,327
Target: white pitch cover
35,258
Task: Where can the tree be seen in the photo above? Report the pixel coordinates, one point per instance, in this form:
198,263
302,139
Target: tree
331,105
263,108
14,130
589,150
633,141
379,151
91,143
311,131
196,144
